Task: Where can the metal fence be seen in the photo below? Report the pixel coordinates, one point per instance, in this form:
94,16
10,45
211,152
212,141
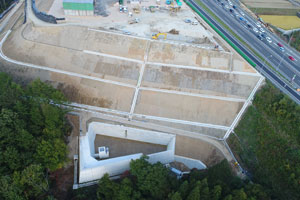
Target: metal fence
42,16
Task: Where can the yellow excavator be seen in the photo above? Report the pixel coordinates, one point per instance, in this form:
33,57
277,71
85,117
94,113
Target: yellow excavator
155,36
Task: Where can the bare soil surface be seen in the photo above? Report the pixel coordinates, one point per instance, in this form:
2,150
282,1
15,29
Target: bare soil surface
198,149
122,147
188,108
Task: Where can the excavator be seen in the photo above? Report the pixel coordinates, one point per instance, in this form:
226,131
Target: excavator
155,36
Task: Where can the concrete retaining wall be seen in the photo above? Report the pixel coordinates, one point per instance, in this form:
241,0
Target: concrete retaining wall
92,169
190,163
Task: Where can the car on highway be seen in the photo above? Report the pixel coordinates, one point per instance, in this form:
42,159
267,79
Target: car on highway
229,2
231,10
242,13
269,39
249,26
263,35
226,7
242,19
281,49
259,37
291,58
258,25
234,6
262,30
279,44
255,30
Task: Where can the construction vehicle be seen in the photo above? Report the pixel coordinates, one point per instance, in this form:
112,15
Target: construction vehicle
134,21
174,9
136,9
178,3
152,9
169,2
155,36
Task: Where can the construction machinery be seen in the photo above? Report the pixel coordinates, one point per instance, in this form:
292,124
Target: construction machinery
155,36
134,21
152,9
136,9
174,9
169,2
178,3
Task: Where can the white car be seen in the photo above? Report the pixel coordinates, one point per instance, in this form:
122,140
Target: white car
258,25
255,30
269,39
195,23
242,13
262,30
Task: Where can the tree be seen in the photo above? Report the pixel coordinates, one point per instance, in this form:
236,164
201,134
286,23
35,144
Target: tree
194,194
176,196
51,154
151,179
125,190
107,189
28,184
32,138
216,192
184,189
33,181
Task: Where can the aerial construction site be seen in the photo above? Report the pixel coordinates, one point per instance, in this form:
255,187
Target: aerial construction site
139,68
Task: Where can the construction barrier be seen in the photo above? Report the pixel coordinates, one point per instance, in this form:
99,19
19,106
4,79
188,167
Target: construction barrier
221,34
42,16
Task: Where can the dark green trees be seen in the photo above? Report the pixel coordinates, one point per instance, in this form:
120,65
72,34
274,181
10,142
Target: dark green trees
32,137
147,181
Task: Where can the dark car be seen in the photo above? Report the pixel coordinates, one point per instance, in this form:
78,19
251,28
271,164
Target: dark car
263,35
234,6
259,37
249,26
231,10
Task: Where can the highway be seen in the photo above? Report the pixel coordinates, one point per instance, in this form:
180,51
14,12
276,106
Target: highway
264,49
269,51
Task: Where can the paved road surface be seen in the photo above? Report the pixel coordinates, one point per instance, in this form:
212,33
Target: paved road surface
256,44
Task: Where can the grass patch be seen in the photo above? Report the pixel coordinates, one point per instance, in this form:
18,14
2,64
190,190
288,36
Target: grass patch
267,143
284,22
275,11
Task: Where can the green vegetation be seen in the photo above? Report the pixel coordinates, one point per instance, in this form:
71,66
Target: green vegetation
147,181
268,143
274,11
32,138
284,22
4,4
295,41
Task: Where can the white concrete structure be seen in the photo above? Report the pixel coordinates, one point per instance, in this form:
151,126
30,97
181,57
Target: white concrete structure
91,169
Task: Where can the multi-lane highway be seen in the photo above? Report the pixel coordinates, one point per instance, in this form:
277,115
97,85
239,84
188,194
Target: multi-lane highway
268,51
